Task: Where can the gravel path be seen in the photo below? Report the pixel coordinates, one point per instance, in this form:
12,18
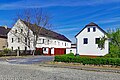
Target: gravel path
32,72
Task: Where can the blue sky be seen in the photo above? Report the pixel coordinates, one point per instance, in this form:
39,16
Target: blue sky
68,16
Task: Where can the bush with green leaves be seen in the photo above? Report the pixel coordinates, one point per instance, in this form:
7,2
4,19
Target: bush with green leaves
88,61
112,55
113,35
38,52
1,54
5,52
70,54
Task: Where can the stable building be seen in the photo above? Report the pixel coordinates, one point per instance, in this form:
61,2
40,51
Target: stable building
49,42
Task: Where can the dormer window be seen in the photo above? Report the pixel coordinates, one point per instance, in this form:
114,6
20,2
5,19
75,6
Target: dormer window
88,29
94,29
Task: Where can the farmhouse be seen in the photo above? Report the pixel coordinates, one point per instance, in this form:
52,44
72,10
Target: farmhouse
87,41
49,42
3,36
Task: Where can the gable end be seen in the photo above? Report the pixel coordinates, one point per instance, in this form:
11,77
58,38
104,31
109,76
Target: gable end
89,25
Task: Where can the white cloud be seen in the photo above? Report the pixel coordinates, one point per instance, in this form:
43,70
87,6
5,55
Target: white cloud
109,20
50,3
67,29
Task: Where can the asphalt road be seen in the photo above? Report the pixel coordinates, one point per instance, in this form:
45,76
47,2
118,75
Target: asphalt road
30,60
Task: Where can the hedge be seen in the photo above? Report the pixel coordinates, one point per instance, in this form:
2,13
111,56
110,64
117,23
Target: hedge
88,61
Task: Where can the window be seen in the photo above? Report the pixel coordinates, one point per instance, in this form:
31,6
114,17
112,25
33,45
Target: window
65,44
88,29
25,39
94,29
40,40
43,40
18,48
16,31
18,40
21,30
85,41
48,41
25,48
12,48
4,46
97,40
44,49
55,42
59,43
12,40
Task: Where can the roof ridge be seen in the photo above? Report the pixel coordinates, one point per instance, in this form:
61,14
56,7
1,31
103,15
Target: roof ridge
92,24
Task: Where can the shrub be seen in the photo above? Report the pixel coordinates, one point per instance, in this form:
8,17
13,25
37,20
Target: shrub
5,52
113,55
1,54
70,54
87,60
38,52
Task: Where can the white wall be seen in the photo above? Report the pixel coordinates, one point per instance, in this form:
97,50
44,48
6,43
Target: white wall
53,43
18,26
52,50
91,48
69,50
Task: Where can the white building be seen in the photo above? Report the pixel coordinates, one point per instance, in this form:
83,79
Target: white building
49,42
72,49
87,40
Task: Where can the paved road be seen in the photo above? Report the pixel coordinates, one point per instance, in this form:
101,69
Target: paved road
33,72
30,60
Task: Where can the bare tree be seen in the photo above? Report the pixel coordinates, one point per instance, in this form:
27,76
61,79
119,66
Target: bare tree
39,20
